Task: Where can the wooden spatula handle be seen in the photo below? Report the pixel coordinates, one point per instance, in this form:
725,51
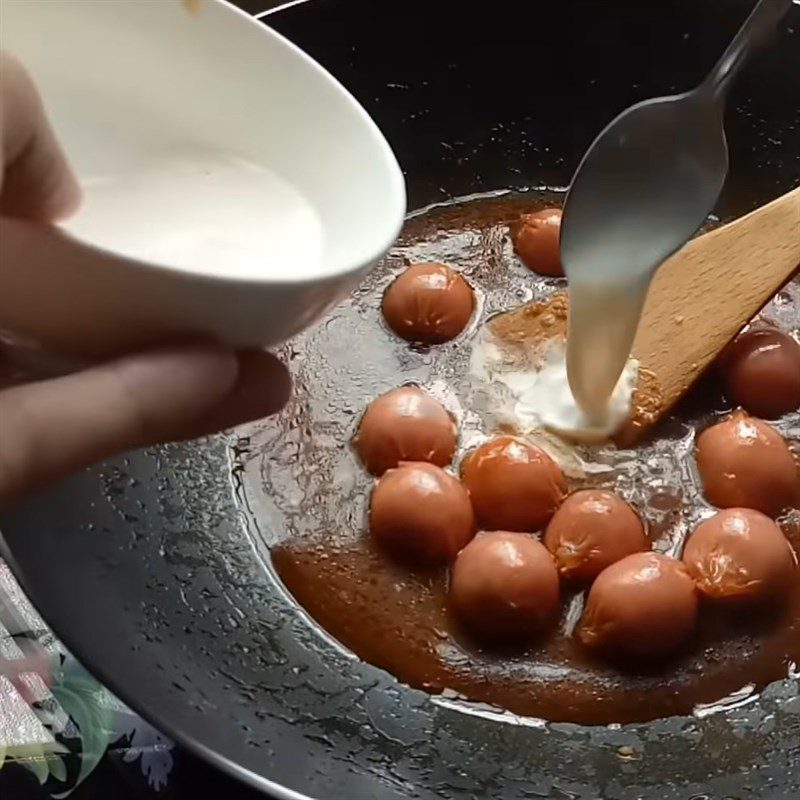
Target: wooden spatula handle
705,293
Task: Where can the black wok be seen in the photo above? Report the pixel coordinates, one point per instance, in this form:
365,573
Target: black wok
145,565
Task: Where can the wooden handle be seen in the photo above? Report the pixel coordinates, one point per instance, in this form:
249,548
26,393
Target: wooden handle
705,293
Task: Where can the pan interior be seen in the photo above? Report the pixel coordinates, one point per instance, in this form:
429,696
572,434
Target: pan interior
302,479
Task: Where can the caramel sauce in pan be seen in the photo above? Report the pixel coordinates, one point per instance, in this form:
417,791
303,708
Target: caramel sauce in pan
397,619
400,622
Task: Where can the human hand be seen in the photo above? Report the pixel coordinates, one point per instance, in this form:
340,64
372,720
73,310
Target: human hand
49,428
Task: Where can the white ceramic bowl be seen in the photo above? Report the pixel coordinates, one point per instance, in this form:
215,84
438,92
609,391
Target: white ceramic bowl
232,188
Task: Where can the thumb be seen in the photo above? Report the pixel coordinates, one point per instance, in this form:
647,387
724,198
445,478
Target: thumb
56,426
35,179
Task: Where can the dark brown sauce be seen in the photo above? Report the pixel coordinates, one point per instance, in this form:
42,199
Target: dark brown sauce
398,620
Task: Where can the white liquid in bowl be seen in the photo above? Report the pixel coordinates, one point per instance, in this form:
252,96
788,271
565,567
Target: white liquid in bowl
204,211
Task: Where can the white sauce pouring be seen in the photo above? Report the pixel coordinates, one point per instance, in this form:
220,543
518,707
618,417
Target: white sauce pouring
581,390
603,318
540,396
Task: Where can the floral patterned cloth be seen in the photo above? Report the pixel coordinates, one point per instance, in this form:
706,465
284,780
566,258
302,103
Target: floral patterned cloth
56,721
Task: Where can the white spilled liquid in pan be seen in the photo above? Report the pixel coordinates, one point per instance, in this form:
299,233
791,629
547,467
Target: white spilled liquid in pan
203,211
544,396
581,389
541,398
